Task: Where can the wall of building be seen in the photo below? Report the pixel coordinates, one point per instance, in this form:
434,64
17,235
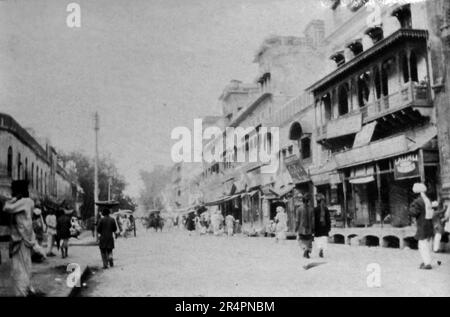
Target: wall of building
35,164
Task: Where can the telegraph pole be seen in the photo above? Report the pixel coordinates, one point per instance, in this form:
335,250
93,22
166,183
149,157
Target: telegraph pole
109,188
96,129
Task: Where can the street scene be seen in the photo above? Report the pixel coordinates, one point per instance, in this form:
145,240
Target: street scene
209,148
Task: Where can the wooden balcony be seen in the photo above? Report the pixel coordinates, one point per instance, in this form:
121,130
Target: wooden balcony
411,102
411,95
348,124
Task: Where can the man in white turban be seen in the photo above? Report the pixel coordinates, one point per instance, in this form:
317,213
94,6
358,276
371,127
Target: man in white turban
421,209
281,224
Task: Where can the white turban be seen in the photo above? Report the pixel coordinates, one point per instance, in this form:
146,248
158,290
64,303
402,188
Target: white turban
419,188
280,209
37,211
435,204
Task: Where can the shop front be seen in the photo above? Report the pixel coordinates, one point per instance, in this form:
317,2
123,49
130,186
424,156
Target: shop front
380,193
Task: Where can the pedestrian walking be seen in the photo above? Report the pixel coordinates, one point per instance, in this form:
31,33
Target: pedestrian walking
438,226
305,223
322,224
422,210
280,224
63,226
190,222
217,220
38,224
23,240
106,229
51,222
125,226
229,223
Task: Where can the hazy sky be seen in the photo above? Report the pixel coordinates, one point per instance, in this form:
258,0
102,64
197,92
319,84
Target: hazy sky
146,67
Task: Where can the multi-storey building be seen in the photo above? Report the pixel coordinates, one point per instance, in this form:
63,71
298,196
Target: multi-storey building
275,99
375,117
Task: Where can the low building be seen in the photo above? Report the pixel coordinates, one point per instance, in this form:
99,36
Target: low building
24,158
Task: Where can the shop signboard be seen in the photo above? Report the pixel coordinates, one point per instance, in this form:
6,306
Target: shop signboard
407,166
295,169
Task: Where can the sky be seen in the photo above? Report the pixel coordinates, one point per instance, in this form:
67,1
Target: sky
146,66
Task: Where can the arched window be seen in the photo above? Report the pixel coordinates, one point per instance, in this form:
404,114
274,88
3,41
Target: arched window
19,166
296,131
377,80
42,181
247,143
26,168
328,113
363,89
45,183
32,175
343,99
405,70
269,143
306,147
413,65
384,79
9,163
37,178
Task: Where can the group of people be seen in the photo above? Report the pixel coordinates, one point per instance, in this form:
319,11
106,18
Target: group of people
432,224
203,222
311,223
28,230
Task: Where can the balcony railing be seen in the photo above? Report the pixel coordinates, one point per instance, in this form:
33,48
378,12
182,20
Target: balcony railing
410,95
374,151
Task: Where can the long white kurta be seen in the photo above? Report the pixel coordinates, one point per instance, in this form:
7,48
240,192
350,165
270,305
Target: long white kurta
281,226
23,234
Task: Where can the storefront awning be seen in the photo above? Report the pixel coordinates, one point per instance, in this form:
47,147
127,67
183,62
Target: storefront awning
386,148
362,180
326,179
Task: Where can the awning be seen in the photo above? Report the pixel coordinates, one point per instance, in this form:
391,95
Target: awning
214,203
362,180
364,136
386,148
326,178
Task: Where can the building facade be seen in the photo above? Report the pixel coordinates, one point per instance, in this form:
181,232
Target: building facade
361,102
375,117
22,157
241,187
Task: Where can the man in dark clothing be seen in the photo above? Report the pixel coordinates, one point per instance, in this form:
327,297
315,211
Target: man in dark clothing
63,231
305,223
322,224
106,228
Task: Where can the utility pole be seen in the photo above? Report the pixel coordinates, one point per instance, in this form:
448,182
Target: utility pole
96,129
109,188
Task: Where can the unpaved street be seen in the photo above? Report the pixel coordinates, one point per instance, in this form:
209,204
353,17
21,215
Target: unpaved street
178,264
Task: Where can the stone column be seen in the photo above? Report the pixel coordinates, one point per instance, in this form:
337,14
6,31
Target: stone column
442,101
